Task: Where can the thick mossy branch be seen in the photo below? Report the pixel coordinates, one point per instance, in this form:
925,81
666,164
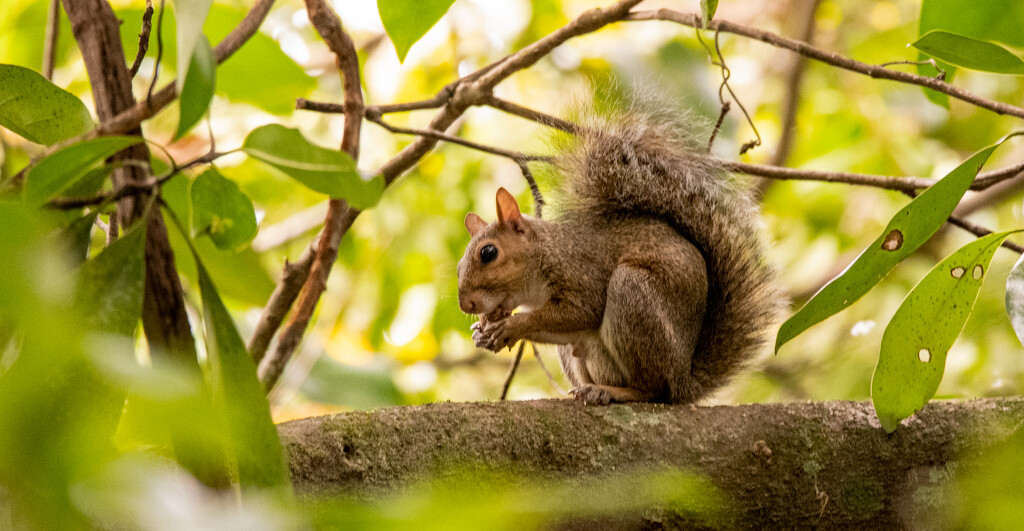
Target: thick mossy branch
823,464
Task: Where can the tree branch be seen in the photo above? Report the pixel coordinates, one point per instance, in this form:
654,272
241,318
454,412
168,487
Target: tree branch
774,463
831,58
339,214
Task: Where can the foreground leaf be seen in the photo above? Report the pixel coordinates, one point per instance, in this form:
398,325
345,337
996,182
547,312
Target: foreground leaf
38,110
969,53
198,90
256,447
110,285
221,210
908,230
62,169
920,334
327,171
407,21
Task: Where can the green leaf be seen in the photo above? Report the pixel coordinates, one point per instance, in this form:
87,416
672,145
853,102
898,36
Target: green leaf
110,285
256,447
198,90
259,73
920,334
407,21
38,110
239,274
221,210
908,229
969,53
62,169
325,170
190,16
988,21
1015,298
707,11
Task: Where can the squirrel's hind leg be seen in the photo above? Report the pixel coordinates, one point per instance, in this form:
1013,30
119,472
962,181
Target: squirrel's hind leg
652,323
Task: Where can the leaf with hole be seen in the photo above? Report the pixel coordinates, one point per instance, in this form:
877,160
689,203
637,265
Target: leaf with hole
969,53
707,11
198,90
62,169
907,230
222,211
920,334
327,171
407,21
38,110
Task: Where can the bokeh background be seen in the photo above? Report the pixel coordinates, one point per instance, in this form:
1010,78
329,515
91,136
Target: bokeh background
389,331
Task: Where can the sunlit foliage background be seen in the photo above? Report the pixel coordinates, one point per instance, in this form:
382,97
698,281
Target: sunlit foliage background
389,330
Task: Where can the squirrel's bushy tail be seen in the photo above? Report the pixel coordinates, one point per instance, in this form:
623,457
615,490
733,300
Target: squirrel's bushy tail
648,163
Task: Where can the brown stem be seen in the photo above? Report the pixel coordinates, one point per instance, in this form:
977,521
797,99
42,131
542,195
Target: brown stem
512,370
339,214
50,40
147,27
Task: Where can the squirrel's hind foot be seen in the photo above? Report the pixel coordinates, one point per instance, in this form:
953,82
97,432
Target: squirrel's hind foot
600,395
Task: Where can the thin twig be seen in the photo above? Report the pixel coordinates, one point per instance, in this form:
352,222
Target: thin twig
512,370
941,76
159,53
538,199
50,40
438,100
726,106
514,155
831,58
147,27
543,367
524,112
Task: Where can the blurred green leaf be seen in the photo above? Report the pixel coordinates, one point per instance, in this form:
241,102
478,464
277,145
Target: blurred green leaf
331,382
197,93
38,110
707,11
407,21
259,73
78,237
110,285
969,53
325,170
1015,298
254,442
62,169
920,334
221,210
907,230
939,98
190,16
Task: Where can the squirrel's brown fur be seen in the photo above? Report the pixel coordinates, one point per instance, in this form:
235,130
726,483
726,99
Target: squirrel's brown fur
651,278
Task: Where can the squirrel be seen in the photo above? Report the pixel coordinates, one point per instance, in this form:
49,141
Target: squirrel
651,280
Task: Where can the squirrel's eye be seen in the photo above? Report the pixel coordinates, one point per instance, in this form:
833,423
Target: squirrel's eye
488,253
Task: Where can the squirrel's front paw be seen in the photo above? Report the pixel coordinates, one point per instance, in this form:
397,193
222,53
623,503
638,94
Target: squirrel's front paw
493,336
591,394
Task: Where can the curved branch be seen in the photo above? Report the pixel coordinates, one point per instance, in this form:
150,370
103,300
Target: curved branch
831,58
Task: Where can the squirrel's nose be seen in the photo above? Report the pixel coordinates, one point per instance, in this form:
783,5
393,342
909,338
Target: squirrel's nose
467,304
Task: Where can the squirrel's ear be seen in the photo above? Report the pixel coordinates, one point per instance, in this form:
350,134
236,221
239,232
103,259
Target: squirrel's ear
508,209
474,223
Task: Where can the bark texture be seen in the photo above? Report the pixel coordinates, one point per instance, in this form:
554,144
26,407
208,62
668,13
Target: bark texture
825,464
